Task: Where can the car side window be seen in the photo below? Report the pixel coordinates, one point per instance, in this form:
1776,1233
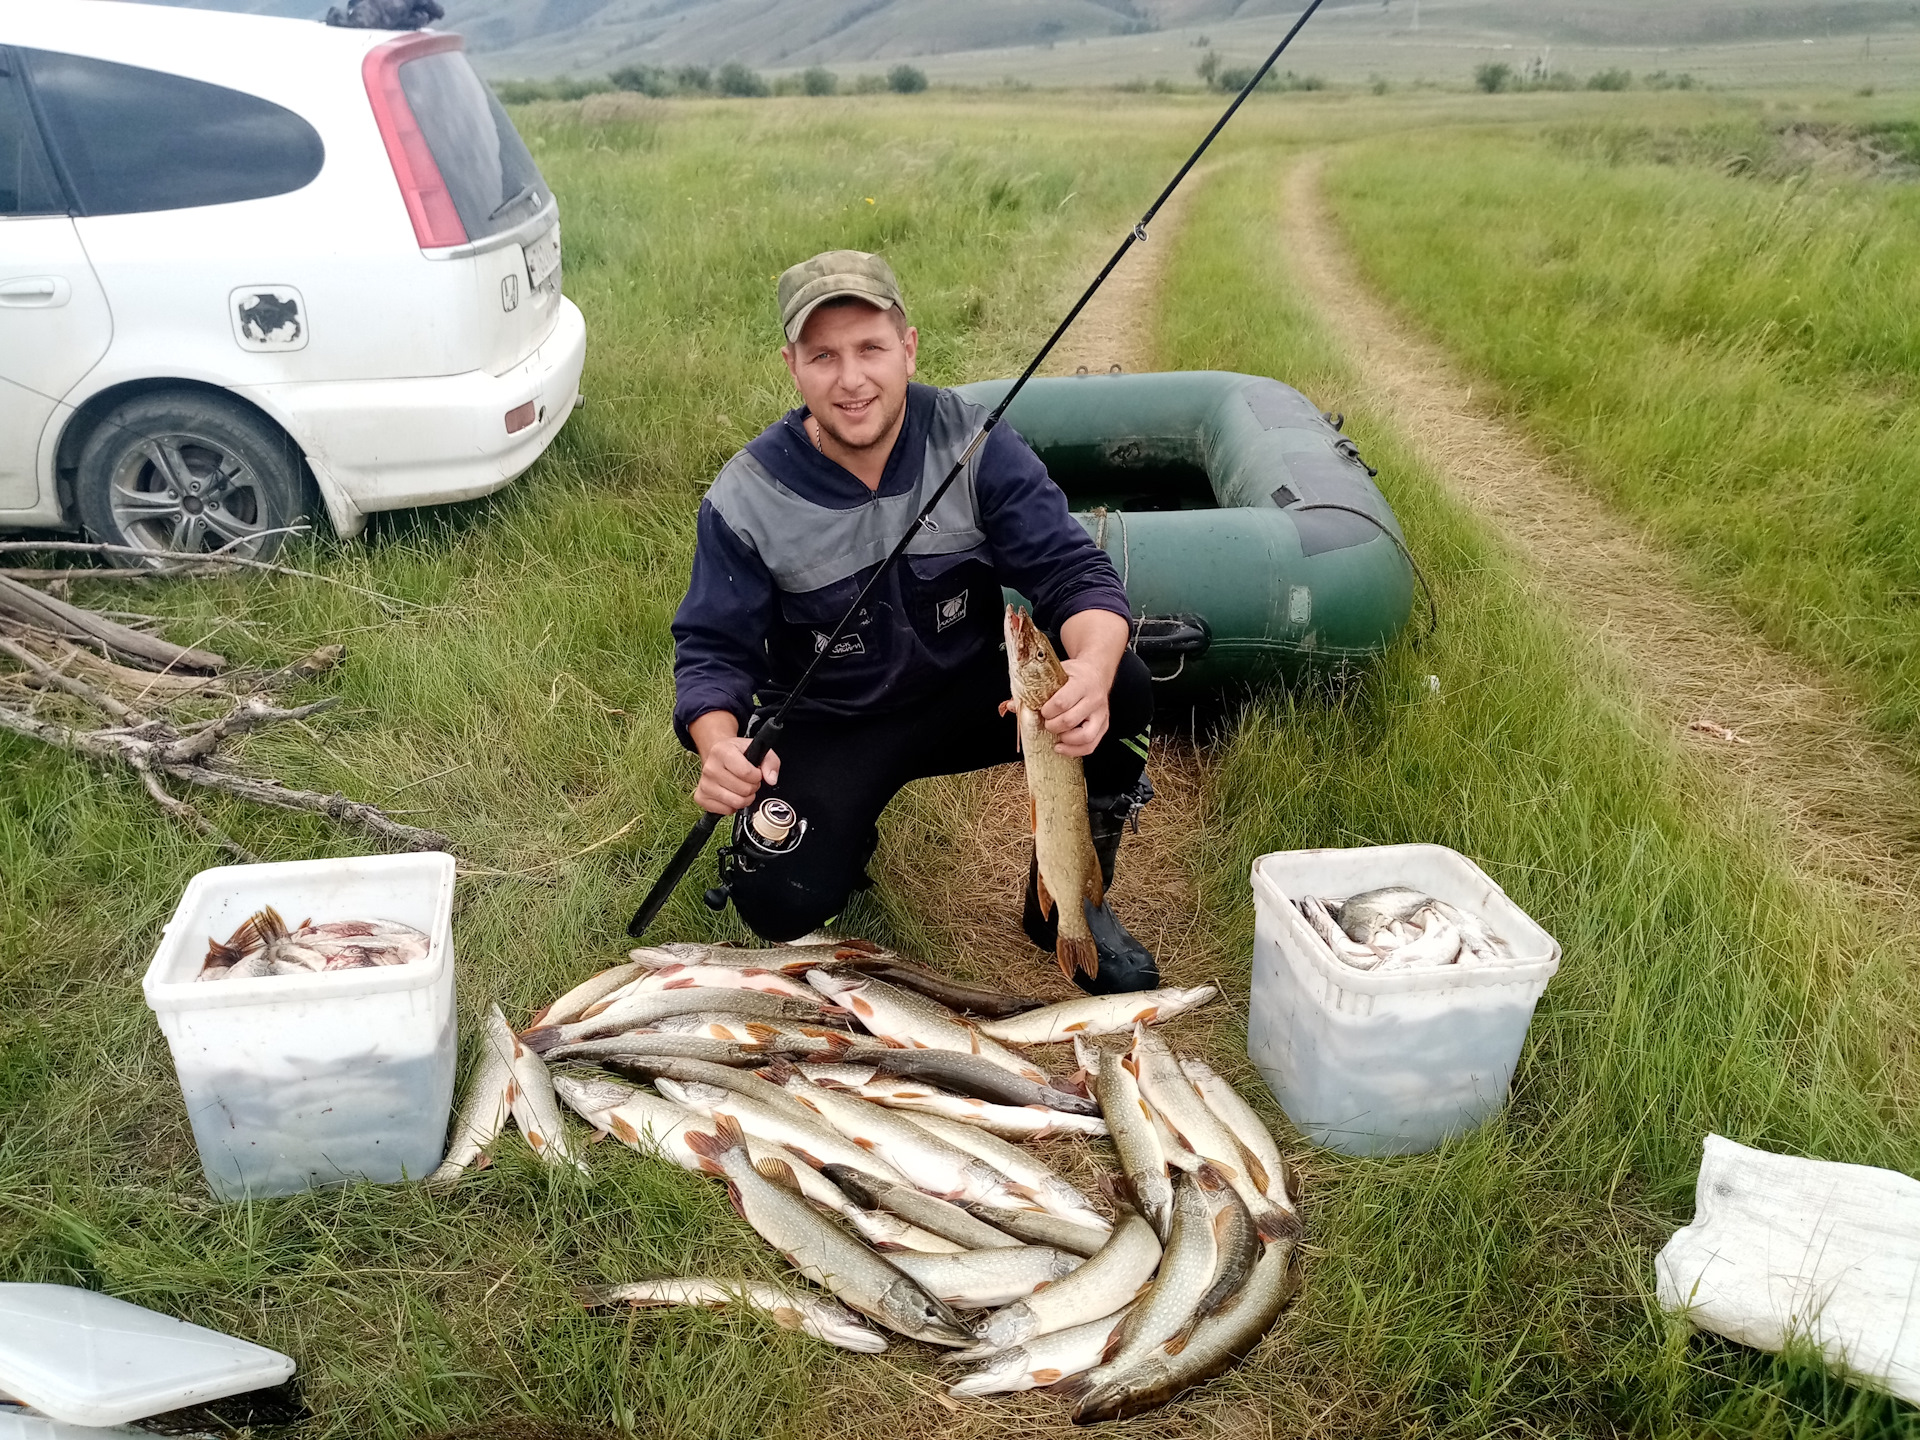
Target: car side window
27,183
129,139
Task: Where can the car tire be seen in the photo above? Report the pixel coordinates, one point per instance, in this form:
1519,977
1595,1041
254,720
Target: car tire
185,472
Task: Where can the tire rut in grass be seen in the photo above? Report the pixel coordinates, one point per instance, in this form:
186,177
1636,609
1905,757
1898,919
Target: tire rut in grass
1849,805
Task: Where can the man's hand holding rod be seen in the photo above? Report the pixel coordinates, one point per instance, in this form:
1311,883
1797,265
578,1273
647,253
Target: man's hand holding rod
728,780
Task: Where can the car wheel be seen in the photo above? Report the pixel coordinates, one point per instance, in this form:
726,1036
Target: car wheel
182,472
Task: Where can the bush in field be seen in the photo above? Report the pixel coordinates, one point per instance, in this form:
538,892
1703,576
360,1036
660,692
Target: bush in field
1208,69
870,85
906,80
1661,80
1610,80
519,92
1493,77
693,80
819,81
642,79
737,80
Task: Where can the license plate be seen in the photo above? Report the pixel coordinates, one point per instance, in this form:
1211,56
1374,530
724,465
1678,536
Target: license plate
543,257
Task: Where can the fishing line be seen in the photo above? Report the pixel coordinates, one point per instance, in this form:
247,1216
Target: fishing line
767,734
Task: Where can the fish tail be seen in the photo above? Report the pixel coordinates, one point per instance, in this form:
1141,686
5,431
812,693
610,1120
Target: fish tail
1077,952
542,1040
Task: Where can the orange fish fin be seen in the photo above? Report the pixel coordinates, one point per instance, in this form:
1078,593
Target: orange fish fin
1046,896
1077,953
780,1173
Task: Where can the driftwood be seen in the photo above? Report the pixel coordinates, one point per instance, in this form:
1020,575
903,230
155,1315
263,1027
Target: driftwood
190,755
51,642
207,564
57,619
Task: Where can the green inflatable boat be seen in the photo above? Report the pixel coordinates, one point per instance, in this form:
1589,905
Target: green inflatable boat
1248,531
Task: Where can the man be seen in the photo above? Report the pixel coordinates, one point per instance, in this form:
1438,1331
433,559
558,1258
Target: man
791,530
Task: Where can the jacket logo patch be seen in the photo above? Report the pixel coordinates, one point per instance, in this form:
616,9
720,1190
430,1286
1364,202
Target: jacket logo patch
846,645
949,612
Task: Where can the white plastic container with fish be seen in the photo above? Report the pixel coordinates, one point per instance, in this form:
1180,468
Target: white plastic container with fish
296,1081
1388,1062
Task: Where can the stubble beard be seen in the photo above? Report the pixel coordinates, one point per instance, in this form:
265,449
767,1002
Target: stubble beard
890,424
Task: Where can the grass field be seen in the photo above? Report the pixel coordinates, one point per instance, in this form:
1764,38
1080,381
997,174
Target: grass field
1498,1286
1713,324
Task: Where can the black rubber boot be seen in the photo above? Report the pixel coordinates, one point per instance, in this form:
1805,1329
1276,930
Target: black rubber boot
1125,964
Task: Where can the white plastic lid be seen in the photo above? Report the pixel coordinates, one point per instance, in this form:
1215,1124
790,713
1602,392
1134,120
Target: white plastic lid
90,1359
25,1425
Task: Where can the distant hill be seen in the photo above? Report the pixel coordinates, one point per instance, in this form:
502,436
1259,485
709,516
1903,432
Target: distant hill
1099,41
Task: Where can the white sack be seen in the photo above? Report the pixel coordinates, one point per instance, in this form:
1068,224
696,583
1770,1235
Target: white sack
1780,1246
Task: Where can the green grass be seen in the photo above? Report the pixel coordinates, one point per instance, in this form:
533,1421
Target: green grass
1500,1285
1729,359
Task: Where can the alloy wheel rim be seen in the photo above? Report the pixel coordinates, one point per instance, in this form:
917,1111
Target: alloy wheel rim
182,494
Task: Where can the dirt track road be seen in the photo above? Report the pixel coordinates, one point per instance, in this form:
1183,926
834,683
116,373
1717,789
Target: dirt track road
1848,803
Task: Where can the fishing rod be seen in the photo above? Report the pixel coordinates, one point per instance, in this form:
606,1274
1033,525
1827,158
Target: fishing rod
768,734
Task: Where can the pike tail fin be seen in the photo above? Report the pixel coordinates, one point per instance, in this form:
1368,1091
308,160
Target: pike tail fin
1077,953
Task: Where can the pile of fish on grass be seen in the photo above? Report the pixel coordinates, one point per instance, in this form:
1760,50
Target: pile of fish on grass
1395,928
867,1116
265,945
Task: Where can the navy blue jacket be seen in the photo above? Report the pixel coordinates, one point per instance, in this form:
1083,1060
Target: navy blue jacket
738,637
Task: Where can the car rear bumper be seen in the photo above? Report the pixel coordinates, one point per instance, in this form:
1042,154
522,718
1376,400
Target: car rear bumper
390,444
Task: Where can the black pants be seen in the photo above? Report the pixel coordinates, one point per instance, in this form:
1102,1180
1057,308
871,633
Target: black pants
840,774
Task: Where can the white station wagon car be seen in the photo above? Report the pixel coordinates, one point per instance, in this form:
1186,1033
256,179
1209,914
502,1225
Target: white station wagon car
246,260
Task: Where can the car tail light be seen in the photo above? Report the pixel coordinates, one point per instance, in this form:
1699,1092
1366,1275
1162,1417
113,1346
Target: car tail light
436,223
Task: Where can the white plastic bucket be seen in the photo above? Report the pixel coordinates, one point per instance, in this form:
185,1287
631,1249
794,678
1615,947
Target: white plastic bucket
1373,1063
296,1081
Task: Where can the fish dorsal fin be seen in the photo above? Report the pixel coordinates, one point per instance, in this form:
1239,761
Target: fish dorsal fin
758,1034
268,924
779,1172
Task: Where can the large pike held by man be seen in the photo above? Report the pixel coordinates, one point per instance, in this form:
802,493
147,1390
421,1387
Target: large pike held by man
1062,842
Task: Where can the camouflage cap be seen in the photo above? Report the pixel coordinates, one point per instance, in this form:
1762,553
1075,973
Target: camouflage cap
831,276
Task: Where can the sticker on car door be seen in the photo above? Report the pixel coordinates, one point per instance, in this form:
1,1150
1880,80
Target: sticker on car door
268,317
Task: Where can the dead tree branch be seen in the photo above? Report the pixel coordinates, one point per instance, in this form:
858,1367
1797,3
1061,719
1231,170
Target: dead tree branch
193,819
197,565
155,749
60,620
74,686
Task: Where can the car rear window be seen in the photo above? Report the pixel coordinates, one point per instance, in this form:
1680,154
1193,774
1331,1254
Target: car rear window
493,181
27,185
131,139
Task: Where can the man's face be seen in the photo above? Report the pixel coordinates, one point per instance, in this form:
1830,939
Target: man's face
852,365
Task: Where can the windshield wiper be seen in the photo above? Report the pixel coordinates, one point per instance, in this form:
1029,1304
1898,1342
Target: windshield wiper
531,189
